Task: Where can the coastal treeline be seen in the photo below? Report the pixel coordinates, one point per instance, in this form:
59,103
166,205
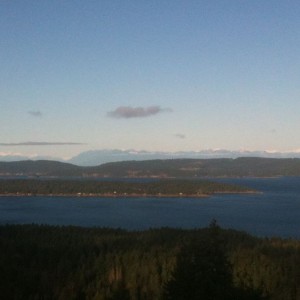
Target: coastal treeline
116,188
48,262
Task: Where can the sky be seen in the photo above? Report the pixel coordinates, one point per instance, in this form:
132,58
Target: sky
148,75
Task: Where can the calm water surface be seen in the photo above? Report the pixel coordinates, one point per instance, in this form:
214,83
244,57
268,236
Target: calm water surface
275,212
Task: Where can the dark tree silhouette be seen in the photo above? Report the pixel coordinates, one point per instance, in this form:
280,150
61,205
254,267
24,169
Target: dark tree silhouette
204,272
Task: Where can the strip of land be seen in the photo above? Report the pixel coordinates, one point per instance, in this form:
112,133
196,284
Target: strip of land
93,188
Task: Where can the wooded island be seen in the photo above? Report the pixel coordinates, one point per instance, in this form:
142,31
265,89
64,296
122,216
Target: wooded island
153,188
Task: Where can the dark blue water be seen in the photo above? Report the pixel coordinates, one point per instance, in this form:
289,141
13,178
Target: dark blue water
274,212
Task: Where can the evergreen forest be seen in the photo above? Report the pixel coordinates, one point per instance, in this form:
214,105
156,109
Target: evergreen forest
51,262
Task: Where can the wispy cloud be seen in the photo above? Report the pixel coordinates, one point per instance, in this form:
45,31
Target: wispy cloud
273,131
41,144
127,112
180,135
35,113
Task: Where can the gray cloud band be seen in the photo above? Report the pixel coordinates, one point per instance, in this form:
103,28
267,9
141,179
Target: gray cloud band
127,112
35,113
180,136
41,144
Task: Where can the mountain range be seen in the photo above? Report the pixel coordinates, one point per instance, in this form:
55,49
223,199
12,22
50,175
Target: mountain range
98,157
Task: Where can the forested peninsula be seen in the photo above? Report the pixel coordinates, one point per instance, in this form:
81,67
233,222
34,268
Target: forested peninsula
51,262
113,188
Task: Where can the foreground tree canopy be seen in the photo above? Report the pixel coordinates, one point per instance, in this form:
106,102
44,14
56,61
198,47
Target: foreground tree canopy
45,262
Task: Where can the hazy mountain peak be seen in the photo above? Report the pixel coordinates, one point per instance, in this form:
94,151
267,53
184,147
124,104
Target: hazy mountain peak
97,157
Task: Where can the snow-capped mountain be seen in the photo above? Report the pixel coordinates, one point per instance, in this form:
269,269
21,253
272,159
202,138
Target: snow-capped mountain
98,157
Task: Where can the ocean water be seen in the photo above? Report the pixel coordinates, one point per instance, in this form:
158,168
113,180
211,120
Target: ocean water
273,212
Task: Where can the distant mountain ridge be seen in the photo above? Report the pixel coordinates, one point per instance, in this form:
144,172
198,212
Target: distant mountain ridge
180,168
98,157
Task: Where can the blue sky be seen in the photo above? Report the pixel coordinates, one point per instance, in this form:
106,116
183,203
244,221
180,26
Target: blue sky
149,75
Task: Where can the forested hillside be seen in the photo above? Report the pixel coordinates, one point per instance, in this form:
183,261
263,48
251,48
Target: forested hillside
39,168
259,167
44,262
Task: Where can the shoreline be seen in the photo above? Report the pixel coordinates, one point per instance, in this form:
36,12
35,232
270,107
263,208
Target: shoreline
125,195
